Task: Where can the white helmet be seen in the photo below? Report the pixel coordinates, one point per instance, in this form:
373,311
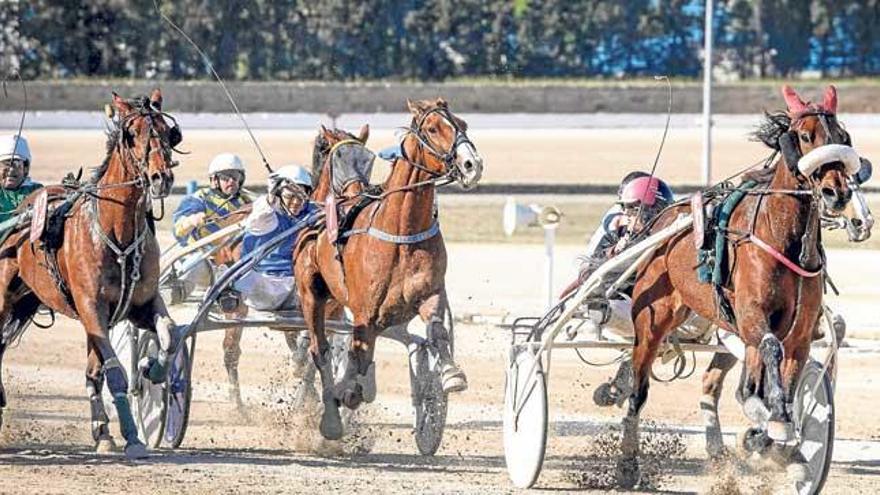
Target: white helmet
289,174
12,148
224,162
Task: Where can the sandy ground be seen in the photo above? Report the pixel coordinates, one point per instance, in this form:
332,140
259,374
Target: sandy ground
45,443
601,156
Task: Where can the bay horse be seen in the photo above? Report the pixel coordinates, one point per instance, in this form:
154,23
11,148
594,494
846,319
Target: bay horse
856,220
776,273
105,268
393,265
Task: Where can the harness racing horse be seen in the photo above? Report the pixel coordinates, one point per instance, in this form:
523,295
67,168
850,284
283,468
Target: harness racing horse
856,220
393,265
776,271
105,268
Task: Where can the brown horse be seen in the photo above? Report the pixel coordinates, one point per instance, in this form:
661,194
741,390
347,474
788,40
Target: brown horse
775,305
106,266
857,221
394,262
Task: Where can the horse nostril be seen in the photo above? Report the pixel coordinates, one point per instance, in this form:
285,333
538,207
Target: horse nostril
829,193
857,223
468,165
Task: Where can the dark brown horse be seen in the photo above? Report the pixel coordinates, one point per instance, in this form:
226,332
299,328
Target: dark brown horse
106,266
775,304
393,266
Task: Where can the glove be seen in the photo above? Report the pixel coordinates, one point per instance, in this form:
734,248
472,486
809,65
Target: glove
191,222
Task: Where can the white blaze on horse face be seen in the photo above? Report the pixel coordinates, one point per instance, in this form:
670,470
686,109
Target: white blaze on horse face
859,220
469,163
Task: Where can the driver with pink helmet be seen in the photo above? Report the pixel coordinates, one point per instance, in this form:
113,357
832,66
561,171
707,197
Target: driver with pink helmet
640,197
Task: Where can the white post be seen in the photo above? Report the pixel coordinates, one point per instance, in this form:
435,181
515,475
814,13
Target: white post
707,97
549,240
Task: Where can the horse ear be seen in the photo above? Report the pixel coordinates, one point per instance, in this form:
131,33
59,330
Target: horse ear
792,100
121,106
326,133
830,100
415,107
156,99
364,134
441,103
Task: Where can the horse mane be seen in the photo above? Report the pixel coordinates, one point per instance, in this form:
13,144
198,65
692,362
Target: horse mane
139,103
100,170
771,128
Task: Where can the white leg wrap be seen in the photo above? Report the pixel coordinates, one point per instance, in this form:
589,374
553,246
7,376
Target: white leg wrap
163,331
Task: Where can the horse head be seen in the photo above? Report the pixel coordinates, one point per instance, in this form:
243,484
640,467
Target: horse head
147,140
442,137
342,158
818,150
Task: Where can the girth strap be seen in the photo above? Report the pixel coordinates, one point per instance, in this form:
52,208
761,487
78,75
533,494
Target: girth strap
433,230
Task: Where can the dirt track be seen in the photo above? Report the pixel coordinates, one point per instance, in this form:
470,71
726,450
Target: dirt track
45,444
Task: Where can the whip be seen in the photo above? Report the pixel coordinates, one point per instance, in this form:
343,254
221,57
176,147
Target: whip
23,111
210,66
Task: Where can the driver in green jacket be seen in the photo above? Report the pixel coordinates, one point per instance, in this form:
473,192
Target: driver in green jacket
15,167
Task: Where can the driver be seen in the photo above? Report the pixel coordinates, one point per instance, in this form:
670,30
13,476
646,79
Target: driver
15,167
270,285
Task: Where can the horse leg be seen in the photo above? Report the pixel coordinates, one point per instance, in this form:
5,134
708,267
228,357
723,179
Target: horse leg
8,272
231,356
94,385
313,313
432,311
779,427
652,321
713,381
298,343
95,324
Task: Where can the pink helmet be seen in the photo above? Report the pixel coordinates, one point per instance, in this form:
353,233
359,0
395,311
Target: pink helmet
642,190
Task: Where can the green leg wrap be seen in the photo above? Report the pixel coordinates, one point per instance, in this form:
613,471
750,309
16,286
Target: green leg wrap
159,368
126,419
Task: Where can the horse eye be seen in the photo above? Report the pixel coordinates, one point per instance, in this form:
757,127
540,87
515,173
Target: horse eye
432,130
805,137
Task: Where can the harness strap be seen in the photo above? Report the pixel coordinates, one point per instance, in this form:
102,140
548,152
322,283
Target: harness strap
782,259
433,230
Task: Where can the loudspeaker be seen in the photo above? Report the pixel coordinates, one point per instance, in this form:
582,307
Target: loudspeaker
531,215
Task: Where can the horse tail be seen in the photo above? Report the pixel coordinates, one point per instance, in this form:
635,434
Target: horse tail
18,321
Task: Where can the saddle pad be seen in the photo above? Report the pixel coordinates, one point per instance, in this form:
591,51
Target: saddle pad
699,219
39,211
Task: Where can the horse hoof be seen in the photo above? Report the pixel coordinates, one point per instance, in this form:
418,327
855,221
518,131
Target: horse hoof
105,445
454,380
752,440
136,451
603,396
353,397
331,424
627,473
797,472
780,431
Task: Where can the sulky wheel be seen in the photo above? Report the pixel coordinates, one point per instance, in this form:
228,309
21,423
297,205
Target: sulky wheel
429,399
179,398
151,397
813,412
525,417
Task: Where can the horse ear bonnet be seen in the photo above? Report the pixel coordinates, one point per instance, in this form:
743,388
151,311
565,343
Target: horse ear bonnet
790,151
